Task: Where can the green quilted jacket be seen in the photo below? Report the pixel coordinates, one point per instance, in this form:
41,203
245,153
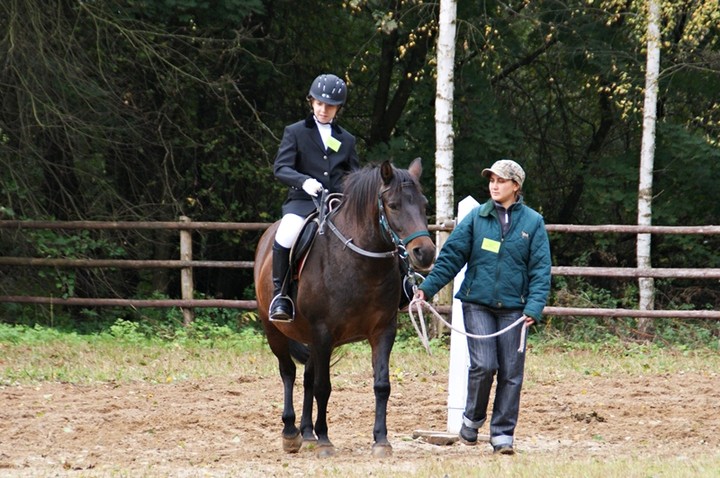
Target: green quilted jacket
511,272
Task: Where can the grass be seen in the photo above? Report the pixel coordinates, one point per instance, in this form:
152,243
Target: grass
37,354
533,467
516,467
628,359
123,353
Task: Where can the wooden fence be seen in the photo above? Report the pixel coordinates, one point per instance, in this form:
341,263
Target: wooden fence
186,265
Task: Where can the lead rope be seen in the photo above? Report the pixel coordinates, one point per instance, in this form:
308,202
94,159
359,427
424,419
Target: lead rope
420,304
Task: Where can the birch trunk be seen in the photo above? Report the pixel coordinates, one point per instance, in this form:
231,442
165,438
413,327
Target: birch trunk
444,197
646,285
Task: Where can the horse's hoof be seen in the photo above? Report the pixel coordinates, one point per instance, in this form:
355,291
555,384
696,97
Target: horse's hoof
325,450
382,450
309,444
292,444
309,438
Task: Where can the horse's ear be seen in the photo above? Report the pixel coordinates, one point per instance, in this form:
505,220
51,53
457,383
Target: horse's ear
386,172
416,168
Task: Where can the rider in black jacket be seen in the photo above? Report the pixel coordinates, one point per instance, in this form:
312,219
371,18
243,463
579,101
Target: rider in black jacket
314,154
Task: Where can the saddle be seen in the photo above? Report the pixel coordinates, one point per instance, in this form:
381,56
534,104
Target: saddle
313,225
304,242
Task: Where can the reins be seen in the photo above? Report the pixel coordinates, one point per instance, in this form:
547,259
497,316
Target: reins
420,303
349,244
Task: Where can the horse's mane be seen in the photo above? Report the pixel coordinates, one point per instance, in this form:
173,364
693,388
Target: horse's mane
361,189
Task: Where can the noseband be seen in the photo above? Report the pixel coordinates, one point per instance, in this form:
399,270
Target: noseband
400,244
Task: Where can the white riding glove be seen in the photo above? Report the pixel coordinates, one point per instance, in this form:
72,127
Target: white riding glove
312,186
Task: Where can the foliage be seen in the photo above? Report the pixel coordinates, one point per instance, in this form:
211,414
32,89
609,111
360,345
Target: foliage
140,110
684,334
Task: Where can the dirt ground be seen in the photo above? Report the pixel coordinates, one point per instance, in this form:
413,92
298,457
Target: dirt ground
230,426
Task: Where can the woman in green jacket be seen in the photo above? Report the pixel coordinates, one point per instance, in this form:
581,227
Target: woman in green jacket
506,249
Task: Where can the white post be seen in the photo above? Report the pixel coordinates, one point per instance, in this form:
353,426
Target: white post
459,356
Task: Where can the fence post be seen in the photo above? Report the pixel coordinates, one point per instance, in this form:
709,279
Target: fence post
186,273
459,354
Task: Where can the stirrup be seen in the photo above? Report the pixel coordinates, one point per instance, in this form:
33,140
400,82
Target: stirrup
282,318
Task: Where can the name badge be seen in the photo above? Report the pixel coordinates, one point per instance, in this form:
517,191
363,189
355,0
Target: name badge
490,245
334,144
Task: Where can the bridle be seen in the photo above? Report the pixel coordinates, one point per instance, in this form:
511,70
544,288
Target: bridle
400,244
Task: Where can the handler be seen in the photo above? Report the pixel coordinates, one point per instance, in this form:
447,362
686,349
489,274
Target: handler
506,249
314,154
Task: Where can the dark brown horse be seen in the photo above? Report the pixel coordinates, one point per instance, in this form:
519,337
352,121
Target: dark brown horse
349,291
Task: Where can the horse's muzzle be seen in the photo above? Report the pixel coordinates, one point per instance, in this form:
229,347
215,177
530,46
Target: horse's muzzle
422,253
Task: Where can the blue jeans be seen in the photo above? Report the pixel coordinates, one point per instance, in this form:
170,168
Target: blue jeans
488,358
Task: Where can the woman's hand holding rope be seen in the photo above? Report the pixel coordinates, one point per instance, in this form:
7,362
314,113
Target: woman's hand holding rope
419,302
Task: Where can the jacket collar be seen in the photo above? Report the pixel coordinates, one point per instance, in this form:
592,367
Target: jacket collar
310,123
488,208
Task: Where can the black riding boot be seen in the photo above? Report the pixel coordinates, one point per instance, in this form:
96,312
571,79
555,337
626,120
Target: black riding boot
281,307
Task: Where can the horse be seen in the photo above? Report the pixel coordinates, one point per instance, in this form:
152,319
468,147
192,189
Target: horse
348,290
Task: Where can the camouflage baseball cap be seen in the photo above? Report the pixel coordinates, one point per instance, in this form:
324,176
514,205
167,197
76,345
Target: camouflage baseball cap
506,169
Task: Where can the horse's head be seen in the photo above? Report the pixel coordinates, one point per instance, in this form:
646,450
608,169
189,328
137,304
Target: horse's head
404,206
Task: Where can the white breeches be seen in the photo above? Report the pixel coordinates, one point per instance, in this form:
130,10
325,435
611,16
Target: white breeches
289,229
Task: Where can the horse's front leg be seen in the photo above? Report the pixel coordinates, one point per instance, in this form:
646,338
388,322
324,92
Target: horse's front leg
290,435
306,424
322,350
381,347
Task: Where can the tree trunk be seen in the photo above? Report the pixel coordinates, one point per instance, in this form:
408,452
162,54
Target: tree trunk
647,153
444,197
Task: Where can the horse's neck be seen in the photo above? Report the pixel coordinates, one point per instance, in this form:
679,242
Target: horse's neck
364,234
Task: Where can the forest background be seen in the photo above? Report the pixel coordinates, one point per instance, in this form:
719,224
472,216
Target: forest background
141,110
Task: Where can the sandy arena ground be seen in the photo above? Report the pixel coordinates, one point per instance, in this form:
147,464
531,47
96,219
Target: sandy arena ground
230,426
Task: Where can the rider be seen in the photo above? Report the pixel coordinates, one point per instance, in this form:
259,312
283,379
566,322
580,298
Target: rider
314,154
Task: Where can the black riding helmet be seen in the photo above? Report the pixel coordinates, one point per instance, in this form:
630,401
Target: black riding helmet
329,89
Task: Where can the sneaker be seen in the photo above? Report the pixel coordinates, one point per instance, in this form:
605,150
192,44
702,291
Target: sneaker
503,449
468,435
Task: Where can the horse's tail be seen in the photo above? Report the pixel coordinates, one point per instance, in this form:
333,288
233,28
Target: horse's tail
299,352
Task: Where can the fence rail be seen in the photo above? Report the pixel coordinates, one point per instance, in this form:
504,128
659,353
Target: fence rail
186,265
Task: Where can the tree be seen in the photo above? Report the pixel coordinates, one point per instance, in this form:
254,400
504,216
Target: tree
444,184
112,110
647,156
138,110
388,65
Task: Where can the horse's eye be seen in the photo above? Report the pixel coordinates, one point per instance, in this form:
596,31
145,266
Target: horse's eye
393,205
